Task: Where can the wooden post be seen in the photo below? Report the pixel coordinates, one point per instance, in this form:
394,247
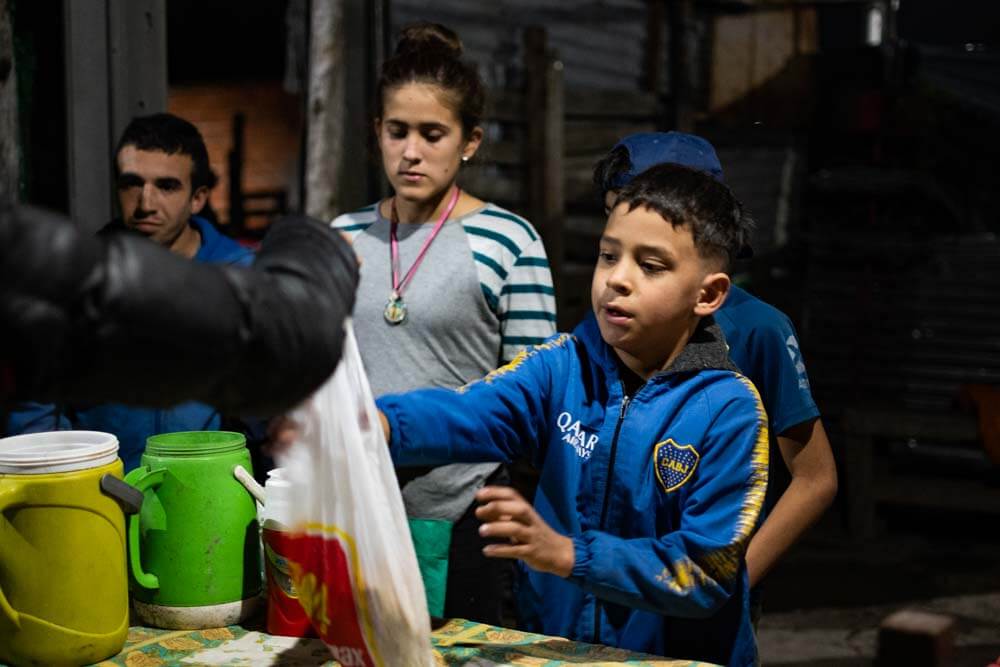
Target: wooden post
116,68
137,61
235,158
681,17
89,143
534,114
325,118
554,198
545,147
9,171
655,58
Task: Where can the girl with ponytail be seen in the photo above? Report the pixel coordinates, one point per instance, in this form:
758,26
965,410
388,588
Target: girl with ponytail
451,287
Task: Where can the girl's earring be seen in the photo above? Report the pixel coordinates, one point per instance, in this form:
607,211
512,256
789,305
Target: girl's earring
465,158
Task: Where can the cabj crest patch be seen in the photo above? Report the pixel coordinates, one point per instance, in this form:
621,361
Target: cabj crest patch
675,464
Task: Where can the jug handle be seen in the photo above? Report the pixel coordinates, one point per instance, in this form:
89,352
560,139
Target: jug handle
249,483
127,496
143,480
11,497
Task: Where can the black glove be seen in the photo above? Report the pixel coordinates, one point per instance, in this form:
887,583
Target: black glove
120,318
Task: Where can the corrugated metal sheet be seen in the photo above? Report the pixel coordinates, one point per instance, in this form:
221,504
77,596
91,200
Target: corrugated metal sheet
764,179
971,76
901,322
600,43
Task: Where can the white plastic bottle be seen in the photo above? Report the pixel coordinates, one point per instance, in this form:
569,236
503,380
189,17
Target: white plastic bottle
284,613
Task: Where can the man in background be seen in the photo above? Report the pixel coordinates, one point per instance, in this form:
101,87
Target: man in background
164,181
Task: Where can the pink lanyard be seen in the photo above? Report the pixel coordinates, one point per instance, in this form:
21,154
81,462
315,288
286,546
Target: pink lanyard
399,285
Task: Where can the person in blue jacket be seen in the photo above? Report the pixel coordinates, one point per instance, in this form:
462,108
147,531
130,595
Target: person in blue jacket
652,447
765,347
163,182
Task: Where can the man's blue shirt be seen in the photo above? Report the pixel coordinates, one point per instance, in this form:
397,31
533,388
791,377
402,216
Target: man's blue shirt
217,248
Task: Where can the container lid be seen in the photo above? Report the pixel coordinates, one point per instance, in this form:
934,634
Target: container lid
56,451
195,443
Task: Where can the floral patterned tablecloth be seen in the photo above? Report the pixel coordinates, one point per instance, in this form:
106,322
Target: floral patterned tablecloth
458,642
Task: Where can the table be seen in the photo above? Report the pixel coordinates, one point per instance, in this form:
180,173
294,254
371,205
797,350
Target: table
458,642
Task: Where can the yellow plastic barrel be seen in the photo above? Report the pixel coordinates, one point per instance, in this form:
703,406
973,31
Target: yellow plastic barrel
63,585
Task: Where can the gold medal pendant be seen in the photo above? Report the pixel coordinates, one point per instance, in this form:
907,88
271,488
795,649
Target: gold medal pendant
395,310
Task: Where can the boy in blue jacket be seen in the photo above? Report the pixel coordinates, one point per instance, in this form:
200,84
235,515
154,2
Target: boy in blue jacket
652,447
765,347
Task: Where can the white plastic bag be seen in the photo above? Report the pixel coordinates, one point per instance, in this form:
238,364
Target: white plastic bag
353,562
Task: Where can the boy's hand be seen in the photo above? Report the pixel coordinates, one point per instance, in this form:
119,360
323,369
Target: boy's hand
282,432
386,429
505,514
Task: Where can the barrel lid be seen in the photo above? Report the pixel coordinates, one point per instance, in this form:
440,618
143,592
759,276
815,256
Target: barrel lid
56,451
194,443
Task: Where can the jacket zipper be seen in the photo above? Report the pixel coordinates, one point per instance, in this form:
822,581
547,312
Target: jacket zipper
604,505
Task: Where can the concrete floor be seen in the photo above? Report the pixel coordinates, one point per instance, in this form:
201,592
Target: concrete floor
824,603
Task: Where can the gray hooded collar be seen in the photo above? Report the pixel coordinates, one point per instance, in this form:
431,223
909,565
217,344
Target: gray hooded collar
706,349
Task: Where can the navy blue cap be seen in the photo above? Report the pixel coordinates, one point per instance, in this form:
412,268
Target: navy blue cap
649,149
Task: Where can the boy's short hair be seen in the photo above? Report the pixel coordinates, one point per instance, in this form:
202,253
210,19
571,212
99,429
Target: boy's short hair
684,196
170,134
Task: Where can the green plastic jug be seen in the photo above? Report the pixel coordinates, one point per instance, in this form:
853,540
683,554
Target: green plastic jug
194,549
63,586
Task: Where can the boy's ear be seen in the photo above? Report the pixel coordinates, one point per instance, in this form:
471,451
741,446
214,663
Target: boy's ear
714,290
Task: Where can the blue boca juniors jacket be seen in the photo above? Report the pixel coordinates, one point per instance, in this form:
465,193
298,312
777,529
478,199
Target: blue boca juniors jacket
660,492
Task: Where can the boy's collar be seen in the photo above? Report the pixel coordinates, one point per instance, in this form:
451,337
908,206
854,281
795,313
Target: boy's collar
705,349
